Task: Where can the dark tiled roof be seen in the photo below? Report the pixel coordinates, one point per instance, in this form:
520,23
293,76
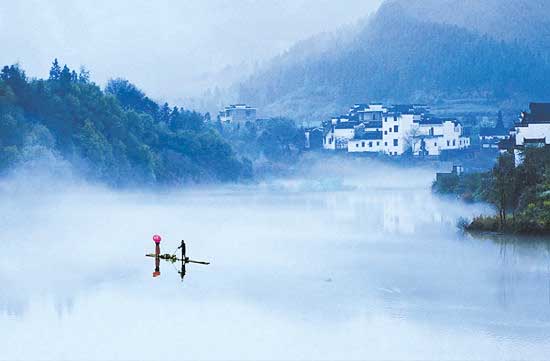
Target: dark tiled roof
370,136
534,141
373,124
346,125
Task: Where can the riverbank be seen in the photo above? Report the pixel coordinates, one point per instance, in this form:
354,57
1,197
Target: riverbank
520,225
519,192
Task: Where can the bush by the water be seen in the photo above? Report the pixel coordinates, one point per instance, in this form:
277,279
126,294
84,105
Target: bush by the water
520,194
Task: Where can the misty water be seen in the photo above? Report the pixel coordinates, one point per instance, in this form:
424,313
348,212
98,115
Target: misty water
354,261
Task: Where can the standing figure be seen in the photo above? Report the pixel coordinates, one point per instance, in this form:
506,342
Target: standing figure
157,239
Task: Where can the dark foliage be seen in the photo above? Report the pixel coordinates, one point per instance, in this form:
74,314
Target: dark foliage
521,194
120,135
274,139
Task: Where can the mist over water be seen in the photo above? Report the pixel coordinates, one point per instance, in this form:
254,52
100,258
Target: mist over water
349,260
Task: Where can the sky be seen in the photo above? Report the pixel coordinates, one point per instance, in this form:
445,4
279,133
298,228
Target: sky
172,49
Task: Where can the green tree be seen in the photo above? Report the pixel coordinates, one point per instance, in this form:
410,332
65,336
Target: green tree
55,70
504,186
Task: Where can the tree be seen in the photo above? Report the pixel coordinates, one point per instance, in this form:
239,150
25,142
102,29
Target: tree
164,115
131,97
84,75
500,122
504,186
55,71
65,77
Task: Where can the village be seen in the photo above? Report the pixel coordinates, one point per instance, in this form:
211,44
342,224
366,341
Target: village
399,130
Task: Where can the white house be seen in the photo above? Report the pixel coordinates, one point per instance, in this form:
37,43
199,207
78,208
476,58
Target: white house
533,130
395,130
370,141
237,114
434,135
338,135
398,130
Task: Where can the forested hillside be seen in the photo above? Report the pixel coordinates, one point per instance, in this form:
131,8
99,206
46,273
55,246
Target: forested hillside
524,21
118,135
399,58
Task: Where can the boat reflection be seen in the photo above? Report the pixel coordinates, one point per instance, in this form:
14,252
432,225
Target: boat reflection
172,258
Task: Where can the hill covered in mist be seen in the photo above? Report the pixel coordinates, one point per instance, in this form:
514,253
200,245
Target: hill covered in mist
417,51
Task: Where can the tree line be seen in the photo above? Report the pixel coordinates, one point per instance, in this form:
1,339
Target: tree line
117,134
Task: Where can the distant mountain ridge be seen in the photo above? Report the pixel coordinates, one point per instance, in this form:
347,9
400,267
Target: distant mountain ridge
524,21
409,51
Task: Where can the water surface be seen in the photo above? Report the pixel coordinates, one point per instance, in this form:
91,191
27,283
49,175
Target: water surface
353,265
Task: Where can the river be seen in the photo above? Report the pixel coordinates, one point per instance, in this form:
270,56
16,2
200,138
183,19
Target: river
346,264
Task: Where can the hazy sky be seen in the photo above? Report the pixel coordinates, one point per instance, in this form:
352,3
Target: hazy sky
167,47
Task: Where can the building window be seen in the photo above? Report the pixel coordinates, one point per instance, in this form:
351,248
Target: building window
356,145
395,142
385,144
395,118
448,143
396,128
385,132
454,142
390,130
378,143
370,144
435,144
363,144
386,119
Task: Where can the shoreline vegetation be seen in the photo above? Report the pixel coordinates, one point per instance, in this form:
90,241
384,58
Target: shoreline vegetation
520,194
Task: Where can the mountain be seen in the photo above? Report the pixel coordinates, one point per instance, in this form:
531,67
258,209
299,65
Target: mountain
523,21
401,55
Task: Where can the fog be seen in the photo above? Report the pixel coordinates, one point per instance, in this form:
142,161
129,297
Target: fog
172,49
352,260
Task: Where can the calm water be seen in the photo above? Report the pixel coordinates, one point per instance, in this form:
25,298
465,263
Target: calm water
365,266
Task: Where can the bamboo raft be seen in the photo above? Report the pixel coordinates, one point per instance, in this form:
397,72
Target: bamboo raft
173,258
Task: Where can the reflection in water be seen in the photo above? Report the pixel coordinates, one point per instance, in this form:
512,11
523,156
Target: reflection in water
511,248
183,260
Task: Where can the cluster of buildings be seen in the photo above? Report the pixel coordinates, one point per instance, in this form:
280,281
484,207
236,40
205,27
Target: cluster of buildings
393,130
411,129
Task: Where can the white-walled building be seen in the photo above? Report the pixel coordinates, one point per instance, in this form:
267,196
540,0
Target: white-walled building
237,114
533,130
394,131
370,141
434,135
338,135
